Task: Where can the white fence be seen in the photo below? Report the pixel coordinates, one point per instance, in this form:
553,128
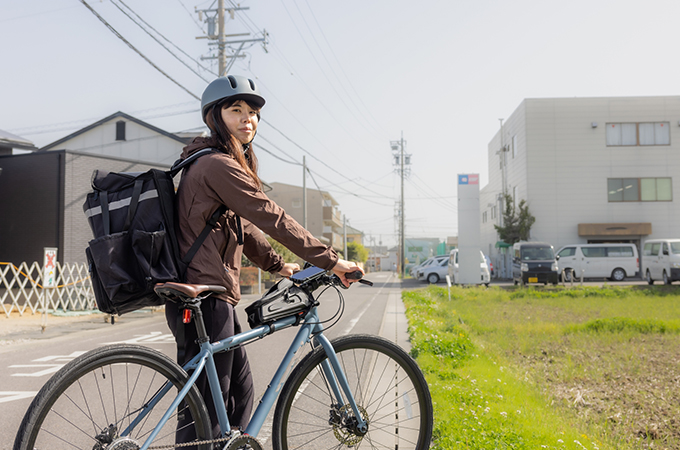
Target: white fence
21,289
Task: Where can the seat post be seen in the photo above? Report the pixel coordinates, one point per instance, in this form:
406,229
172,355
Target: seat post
195,307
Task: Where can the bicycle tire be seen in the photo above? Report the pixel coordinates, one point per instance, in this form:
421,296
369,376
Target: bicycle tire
389,389
105,387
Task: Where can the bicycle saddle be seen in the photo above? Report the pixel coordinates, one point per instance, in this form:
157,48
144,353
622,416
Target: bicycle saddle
181,291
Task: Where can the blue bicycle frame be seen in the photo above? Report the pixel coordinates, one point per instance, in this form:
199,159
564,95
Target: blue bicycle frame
311,327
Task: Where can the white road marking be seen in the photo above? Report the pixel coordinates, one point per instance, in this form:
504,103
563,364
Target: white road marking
10,396
155,337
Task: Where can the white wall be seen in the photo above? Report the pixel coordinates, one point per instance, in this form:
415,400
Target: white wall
562,163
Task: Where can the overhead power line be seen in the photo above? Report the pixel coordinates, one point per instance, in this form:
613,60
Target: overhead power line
132,47
158,41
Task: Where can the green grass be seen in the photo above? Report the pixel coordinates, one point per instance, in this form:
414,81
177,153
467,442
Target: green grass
532,369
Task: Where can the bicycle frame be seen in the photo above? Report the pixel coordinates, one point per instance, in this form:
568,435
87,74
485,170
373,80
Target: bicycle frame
310,327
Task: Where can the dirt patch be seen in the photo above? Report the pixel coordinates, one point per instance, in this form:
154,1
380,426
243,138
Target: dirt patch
628,387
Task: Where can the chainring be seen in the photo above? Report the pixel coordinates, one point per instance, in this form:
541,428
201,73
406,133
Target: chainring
243,442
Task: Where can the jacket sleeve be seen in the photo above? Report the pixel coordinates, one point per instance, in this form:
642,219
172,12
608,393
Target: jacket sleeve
234,188
258,250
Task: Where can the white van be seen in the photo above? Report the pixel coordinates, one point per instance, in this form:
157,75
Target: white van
613,261
661,260
454,269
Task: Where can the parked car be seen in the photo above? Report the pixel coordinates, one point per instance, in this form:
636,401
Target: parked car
417,270
661,260
453,268
435,271
613,261
534,262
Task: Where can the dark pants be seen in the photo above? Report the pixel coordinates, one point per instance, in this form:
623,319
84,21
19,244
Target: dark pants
233,369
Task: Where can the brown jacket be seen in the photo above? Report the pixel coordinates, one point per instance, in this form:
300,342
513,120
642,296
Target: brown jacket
217,179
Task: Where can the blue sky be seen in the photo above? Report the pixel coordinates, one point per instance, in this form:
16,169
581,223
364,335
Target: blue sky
342,79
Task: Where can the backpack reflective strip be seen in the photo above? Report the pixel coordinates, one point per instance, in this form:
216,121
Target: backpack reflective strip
122,203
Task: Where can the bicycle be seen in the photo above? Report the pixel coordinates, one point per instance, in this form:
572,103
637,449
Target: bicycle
358,391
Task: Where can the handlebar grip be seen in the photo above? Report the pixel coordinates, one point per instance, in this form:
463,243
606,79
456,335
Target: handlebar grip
356,275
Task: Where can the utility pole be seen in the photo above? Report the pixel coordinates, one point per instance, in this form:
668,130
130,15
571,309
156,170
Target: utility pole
344,235
401,160
304,192
216,17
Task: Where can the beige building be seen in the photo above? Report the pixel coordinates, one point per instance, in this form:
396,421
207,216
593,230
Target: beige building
324,219
591,170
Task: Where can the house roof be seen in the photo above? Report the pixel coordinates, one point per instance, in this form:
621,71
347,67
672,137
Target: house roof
8,139
109,118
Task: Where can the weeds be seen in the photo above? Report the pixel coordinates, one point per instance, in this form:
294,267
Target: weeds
559,368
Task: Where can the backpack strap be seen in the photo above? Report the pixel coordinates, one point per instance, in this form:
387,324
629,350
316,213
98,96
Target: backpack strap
104,203
209,225
134,201
182,163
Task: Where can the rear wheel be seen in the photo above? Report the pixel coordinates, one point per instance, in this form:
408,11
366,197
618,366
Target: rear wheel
666,278
618,274
648,277
390,391
93,402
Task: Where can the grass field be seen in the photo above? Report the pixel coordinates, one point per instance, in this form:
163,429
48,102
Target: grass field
595,368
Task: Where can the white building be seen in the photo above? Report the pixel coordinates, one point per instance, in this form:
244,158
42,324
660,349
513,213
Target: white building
123,136
590,169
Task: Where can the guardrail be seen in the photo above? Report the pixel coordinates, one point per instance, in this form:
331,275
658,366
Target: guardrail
21,288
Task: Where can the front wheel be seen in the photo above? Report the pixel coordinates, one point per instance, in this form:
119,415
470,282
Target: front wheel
433,278
650,281
389,388
93,402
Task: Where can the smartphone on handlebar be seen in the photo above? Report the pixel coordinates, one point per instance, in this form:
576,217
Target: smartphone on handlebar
306,274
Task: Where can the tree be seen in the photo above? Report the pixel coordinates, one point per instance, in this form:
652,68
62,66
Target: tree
356,252
516,227
287,255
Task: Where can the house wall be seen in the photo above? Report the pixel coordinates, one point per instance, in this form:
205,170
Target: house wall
140,144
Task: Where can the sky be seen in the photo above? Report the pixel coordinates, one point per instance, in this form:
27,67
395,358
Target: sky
342,80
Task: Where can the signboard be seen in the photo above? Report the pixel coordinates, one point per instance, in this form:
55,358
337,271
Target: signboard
50,268
468,229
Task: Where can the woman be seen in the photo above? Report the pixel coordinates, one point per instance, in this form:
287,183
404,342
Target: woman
228,176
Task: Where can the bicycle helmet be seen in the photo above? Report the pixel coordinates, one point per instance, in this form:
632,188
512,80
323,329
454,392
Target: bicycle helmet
230,87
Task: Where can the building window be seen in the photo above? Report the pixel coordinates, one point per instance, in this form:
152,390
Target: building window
514,145
639,190
297,203
120,130
484,217
493,212
638,134
327,203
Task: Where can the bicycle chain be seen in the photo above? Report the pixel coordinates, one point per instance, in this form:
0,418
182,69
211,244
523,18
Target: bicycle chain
188,444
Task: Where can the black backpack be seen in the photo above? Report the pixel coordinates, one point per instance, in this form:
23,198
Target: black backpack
132,216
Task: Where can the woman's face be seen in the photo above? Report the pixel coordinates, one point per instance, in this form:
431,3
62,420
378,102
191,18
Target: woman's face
241,121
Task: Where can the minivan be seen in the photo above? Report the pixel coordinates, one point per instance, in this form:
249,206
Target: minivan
613,261
661,260
534,262
454,269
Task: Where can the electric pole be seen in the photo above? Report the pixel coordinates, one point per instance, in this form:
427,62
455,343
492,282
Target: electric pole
215,18
304,192
401,160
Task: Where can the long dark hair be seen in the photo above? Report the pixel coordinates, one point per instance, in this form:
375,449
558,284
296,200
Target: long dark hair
222,139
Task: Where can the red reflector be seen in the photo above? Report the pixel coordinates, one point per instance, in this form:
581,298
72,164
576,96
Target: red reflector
186,316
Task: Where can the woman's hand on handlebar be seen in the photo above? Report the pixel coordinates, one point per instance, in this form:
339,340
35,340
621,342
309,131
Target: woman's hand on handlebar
289,269
342,268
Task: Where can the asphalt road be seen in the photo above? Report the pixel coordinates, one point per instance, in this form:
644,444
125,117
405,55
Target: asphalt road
28,358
